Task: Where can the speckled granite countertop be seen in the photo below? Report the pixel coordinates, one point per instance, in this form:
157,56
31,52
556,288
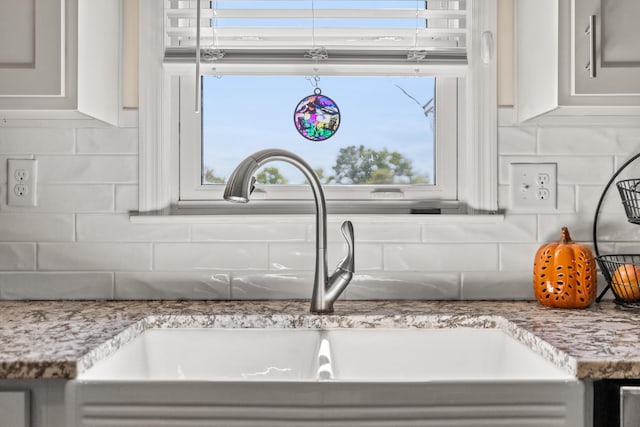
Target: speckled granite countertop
58,339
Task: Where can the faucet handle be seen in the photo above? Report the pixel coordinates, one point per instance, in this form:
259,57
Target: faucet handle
347,264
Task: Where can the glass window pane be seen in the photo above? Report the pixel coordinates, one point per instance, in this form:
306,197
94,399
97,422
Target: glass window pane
385,136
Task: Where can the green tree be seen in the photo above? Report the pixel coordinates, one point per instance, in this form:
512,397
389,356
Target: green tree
321,176
209,177
361,165
271,175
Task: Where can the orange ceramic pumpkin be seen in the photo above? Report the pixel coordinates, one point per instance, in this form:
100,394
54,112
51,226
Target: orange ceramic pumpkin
564,274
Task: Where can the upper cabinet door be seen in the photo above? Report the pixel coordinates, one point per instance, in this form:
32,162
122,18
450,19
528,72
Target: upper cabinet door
37,54
606,37
555,49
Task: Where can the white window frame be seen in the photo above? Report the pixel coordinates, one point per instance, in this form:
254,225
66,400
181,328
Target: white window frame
159,171
445,188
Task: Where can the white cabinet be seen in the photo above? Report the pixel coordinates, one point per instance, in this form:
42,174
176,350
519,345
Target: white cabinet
15,409
553,48
32,403
606,37
37,54
67,55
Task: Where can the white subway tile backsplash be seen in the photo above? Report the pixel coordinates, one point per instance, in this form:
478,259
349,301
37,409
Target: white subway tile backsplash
88,169
126,198
588,196
36,227
506,116
499,285
621,248
514,228
17,256
517,140
287,256
172,285
53,286
67,198
580,227
75,198
504,197
616,228
118,228
110,140
584,170
271,285
373,232
82,245
441,257
94,256
518,256
301,256
36,141
575,140
210,256
277,232
566,202
399,285
629,134
631,171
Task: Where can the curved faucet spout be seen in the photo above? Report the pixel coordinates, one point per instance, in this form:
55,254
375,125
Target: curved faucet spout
239,187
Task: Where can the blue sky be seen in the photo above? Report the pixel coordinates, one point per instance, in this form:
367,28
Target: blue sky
243,114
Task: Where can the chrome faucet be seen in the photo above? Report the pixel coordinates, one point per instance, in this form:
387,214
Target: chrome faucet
326,290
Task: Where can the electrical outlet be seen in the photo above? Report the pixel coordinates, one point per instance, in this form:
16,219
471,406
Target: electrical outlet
542,194
20,190
21,175
533,186
21,182
542,179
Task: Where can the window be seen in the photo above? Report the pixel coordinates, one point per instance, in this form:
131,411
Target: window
384,149
384,134
252,58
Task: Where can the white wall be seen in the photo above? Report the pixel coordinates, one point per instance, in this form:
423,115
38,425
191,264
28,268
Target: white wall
79,242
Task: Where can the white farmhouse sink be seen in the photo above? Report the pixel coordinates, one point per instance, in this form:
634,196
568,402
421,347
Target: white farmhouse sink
357,354
306,377
213,354
451,354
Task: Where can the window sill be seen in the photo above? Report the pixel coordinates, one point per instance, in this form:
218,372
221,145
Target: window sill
269,218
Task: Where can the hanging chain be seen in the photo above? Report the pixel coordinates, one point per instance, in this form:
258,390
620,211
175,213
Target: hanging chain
416,54
314,80
317,53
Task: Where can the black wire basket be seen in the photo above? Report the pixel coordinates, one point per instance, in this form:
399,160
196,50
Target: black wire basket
622,272
630,194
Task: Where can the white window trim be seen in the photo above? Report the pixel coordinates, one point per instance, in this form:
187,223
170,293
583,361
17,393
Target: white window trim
445,188
477,156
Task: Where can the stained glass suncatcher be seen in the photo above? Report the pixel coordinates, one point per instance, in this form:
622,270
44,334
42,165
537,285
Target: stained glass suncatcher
317,117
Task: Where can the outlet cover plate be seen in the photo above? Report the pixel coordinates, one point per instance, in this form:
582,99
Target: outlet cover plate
534,187
22,182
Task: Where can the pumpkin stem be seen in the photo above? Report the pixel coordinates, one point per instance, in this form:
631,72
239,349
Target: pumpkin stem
565,237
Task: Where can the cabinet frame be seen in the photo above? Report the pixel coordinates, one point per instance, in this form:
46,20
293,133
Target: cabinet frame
55,61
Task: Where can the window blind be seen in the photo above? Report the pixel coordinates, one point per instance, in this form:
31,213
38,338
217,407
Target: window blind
408,30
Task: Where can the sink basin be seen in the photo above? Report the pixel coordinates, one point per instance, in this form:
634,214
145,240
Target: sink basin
213,354
452,354
324,354
323,377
